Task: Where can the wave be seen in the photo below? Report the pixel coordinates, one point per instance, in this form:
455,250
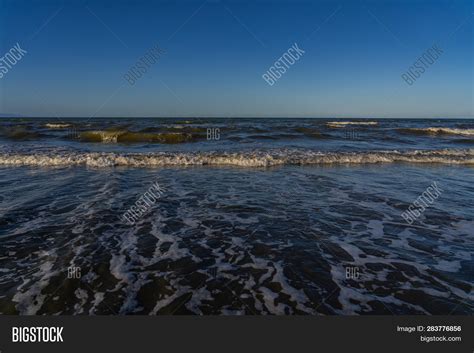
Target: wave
256,158
338,124
311,132
437,131
125,136
468,141
20,133
57,126
175,128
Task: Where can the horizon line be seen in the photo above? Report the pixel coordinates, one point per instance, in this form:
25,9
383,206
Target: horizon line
14,116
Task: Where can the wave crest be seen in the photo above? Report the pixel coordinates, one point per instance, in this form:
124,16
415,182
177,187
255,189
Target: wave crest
339,124
125,136
243,159
57,125
438,131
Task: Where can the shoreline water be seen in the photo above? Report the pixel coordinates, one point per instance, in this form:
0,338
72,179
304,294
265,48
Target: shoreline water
281,239
274,218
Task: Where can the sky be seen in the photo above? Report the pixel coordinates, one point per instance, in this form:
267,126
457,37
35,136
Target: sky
214,54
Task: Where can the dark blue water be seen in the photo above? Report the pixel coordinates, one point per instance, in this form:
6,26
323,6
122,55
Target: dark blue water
160,134
277,216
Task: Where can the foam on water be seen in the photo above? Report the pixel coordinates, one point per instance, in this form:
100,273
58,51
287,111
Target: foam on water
339,124
255,158
57,125
238,240
440,131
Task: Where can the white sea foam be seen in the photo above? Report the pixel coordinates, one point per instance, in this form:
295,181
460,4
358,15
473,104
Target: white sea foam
244,159
28,297
57,125
338,124
443,130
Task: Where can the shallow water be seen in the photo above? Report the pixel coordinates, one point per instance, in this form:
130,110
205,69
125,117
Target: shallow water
238,238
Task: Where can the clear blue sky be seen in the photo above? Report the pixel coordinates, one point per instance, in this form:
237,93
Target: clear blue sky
217,51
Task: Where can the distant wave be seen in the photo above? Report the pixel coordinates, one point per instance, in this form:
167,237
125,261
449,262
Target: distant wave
437,131
20,133
255,158
311,132
338,124
57,126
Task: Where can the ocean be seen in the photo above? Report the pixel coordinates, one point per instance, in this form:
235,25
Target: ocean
256,216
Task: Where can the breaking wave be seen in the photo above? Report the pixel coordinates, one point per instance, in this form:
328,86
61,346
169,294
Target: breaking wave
57,126
437,131
125,136
338,124
255,158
